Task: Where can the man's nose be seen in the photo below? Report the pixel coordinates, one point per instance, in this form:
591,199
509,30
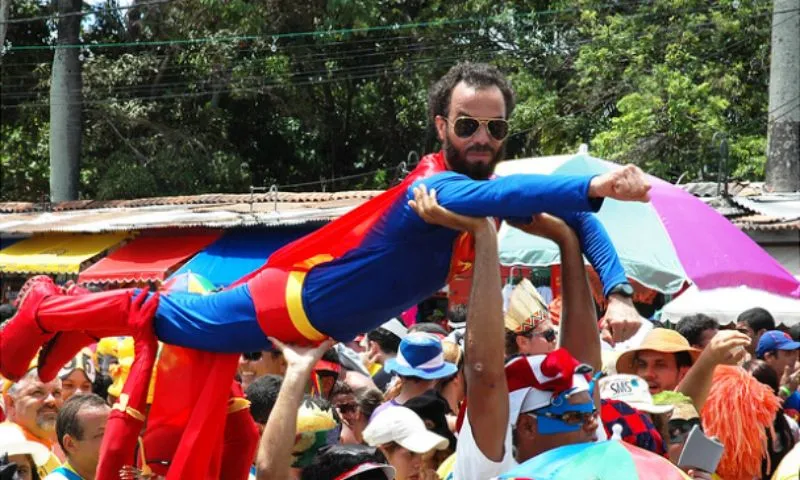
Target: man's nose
482,135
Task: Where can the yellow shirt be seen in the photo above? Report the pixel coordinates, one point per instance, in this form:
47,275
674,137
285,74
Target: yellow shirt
789,469
446,468
374,368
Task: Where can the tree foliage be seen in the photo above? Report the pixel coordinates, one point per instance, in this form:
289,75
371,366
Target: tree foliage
186,97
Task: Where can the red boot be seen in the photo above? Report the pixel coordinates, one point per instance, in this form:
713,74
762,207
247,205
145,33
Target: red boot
81,320
22,335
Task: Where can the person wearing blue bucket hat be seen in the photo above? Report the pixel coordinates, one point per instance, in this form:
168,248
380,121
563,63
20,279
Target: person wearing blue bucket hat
420,356
419,364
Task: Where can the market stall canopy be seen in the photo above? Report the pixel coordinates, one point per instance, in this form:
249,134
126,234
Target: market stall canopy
725,305
146,259
54,254
238,253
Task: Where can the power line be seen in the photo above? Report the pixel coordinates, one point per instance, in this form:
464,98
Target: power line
326,72
379,72
340,31
355,73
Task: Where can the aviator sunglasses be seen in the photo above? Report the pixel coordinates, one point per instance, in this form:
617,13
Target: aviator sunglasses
465,127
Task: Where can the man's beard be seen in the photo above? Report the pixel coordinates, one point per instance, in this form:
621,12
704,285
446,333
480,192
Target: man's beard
474,170
46,422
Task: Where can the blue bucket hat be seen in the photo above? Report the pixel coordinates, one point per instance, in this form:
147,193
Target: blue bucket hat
775,340
420,355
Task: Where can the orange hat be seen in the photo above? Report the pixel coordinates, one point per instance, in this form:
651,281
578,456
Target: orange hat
661,340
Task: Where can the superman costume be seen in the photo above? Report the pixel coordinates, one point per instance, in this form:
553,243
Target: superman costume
342,280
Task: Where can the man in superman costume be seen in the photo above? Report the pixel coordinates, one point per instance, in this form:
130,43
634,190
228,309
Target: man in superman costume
355,272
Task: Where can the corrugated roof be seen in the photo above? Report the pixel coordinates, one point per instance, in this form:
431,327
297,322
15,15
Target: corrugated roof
765,223
205,199
736,188
749,207
784,206
210,211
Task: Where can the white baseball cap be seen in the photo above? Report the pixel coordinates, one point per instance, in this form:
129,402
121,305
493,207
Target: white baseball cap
632,390
13,442
403,426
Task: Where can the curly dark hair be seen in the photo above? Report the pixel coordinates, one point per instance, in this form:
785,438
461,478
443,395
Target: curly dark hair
479,75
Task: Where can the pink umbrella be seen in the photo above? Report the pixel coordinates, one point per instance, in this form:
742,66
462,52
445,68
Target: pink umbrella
713,251
674,238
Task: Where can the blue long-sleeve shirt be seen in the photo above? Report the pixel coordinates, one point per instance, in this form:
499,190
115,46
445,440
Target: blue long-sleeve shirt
403,259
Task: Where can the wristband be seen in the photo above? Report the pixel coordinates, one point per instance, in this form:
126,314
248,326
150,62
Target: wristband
784,390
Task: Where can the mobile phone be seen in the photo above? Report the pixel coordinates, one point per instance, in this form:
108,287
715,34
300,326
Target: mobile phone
700,452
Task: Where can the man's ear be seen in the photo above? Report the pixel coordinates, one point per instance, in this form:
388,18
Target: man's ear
69,443
526,425
441,127
522,342
8,401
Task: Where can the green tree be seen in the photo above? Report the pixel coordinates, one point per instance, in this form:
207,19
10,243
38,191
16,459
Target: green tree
187,97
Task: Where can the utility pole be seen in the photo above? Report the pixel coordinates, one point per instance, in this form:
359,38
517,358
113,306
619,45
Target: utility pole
783,134
5,7
66,100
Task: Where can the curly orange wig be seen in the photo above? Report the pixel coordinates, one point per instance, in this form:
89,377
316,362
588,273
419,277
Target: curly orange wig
739,412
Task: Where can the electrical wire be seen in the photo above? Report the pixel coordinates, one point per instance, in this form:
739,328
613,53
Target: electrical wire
295,75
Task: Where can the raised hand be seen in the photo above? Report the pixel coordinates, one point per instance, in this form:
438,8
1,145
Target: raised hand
428,208
302,358
621,320
790,378
727,347
546,226
141,315
626,184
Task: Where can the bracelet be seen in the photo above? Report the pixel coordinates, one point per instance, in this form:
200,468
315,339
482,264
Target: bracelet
785,390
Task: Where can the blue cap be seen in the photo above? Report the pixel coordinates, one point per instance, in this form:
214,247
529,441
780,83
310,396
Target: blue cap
420,355
775,340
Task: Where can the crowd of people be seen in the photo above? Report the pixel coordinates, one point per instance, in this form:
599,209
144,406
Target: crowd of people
494,389
497,386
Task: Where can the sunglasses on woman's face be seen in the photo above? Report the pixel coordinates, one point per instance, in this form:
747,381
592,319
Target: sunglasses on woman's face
465,127
548,335
252,356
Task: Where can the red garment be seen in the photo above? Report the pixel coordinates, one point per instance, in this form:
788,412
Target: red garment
186,424
194,401
127,416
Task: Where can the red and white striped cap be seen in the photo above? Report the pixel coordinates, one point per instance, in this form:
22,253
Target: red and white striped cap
535,380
